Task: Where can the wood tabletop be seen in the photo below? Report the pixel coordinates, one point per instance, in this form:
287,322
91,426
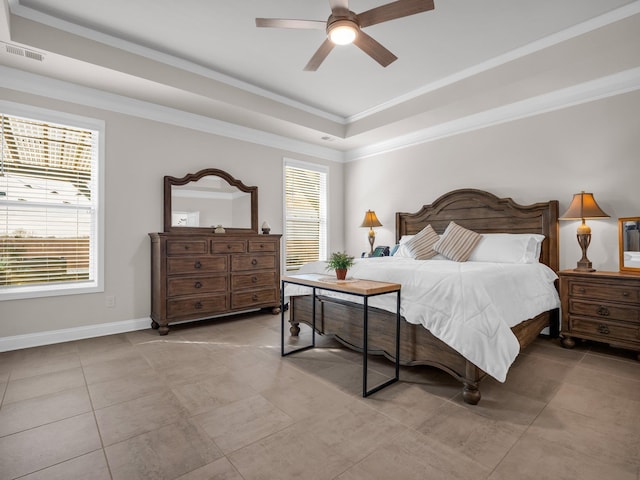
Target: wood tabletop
351,285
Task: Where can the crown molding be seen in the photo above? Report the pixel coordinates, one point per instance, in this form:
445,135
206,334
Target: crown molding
611,85
604,87
60,90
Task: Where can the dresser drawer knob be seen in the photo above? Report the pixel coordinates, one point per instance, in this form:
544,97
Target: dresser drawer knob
604,329
198,285
603,311
254,279
254,262
625,294
261,245
229,246
198,305
581,290
197,264
254,297
186,247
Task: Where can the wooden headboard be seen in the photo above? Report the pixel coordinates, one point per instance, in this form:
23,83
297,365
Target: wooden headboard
483,212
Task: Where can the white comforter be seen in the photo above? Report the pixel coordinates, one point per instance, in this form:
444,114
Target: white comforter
470,306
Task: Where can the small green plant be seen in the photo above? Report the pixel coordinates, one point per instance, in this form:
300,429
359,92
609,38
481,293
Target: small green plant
339,261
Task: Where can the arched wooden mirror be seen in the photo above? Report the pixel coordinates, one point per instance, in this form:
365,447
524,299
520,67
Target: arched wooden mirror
199,202
629,240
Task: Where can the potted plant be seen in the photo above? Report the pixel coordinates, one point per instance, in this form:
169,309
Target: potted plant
340,262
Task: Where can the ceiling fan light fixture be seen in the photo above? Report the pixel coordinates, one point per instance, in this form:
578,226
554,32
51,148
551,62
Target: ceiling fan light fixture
343,32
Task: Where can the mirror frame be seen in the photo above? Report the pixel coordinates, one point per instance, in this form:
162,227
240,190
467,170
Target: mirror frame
194,177
621,222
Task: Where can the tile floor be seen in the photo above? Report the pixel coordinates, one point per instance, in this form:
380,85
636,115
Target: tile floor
214,400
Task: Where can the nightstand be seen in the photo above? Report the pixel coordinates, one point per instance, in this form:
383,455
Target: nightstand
600,306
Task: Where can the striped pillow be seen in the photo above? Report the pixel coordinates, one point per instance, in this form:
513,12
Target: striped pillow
420,246
457,242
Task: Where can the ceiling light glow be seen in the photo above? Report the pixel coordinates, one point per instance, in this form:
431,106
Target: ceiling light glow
343,32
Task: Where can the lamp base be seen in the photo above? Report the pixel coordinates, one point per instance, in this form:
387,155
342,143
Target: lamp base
372,240
584,267
584,264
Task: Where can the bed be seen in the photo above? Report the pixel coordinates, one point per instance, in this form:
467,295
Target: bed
472,209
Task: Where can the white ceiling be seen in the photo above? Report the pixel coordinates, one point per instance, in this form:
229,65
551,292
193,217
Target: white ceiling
208,58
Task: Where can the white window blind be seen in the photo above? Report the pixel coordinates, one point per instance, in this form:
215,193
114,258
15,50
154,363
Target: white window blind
48,206
306,214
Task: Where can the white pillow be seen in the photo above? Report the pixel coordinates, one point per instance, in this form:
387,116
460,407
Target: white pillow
402,250
508,248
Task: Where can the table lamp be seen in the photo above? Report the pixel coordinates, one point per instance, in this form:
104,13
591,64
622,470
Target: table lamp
370,220
583,206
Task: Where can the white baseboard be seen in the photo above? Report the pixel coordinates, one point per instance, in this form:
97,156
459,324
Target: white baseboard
18,342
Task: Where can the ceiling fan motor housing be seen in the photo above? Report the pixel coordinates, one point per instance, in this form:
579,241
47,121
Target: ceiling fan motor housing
344,21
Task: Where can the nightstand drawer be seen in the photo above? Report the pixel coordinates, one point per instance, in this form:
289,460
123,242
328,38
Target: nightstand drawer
603,291
604,330
605,311
600,306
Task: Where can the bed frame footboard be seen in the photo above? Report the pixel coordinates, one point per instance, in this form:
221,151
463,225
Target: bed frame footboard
343,321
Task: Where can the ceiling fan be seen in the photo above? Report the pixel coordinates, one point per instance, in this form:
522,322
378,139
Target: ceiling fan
344,27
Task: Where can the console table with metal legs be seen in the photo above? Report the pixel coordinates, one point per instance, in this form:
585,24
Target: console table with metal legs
357,287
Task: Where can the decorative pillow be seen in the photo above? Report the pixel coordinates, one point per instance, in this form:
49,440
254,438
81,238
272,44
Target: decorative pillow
508,248
394,249
420,246
457,242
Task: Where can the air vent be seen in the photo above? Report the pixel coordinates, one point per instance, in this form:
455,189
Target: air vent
23,52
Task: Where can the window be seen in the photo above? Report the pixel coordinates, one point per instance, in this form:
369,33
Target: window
305,213
49,204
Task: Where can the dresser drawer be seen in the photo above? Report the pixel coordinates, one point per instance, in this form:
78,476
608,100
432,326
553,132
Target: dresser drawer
252,298
258,246
604,330
603,291
603,310
196,306
196,284
230,246
253,280
253,262
200,264
186,247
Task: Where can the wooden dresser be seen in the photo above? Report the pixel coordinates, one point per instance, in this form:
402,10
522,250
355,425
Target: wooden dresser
196,276
600,306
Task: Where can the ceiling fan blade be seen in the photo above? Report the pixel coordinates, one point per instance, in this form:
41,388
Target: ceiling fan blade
374,49
393,10
290,23
319,56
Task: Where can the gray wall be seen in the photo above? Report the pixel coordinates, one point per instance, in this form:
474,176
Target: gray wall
593,147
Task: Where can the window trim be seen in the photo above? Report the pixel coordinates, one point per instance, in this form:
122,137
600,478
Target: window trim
64,118
288,162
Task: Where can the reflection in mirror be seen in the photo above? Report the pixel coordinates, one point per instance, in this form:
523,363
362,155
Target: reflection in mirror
207,199
209,202
629,240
